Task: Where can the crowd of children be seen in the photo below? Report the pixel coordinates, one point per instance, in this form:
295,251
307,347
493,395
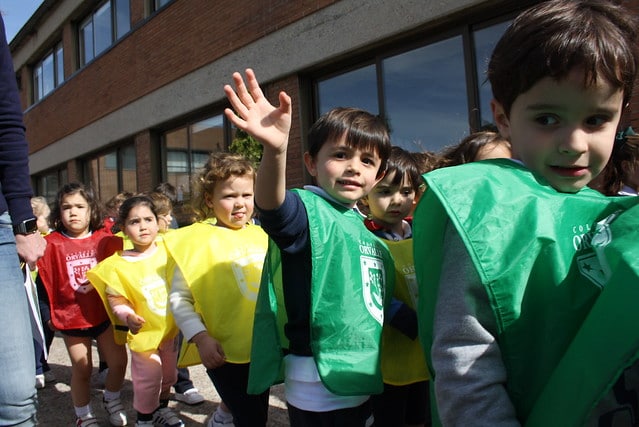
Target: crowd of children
470,309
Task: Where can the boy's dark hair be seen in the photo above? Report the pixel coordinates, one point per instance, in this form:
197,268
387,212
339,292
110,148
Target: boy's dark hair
95,222
161,202
112,205
555,37
362,129
426,160
402,162
168,190
220,166
467,149
130,203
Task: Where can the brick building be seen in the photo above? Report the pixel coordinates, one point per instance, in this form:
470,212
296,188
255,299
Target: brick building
124,94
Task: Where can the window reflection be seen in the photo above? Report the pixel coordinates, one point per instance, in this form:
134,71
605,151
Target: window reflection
425,96
128,163
48,183
356,88
112,172
122,18
48,73
108,23
485,41
86,41
188,149
102,28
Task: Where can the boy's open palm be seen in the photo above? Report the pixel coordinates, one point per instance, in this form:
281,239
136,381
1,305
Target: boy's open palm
256,115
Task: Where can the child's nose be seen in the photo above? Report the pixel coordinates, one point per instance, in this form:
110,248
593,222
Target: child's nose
575,141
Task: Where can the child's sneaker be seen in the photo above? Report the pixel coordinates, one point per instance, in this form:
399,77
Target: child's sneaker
117,414
144,423
218,420
191,396
88,421
165,417
40,380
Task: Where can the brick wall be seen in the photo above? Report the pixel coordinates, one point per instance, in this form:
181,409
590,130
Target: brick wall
153,56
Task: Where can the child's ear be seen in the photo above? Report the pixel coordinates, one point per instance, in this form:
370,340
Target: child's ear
309,162
208,201
501,118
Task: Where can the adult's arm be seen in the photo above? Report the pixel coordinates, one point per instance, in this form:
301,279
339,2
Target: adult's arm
14,157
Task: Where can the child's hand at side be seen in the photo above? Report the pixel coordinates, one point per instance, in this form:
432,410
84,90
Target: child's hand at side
257,116
134,322
211,352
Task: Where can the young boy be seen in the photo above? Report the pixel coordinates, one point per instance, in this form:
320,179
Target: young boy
506,270
405,400
334,275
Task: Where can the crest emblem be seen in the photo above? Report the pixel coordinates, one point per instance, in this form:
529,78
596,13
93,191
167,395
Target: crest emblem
590,268
155,294
77,272
373,280
248,272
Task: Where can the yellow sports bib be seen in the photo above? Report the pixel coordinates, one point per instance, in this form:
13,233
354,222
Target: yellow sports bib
143,284
222,267
403,360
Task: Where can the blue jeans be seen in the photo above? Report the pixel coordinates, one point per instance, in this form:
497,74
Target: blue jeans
17,359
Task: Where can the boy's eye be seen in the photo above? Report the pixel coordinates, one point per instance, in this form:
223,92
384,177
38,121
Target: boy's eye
368,161
596,121
340,155
546,120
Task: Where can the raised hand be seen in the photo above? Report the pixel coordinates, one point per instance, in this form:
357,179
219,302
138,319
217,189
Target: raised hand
270,125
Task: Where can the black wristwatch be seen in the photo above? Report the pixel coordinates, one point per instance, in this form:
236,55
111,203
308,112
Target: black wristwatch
28,226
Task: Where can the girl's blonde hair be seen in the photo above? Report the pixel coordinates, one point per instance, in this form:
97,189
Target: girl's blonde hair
218,168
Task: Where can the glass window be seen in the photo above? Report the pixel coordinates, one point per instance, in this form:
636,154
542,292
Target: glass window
177,157
422,93
122,18
357,88
112,172
157,4
48,183
485,41
425,96
86,41
102,28
206,136
129,179
188,149
48,73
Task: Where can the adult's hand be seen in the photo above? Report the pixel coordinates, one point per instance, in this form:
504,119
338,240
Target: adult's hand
30,247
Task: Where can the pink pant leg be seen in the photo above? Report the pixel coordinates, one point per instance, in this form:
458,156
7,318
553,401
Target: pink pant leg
146,373
168,355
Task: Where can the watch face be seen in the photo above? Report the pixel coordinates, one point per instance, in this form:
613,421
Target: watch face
31,225
26,227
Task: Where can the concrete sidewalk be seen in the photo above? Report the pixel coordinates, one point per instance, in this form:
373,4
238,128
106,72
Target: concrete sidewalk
56,408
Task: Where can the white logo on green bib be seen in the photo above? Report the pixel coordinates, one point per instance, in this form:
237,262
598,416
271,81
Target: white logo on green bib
373,279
